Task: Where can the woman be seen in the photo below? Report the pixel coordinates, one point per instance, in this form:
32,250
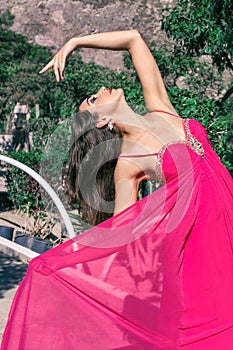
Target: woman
158,274
144,132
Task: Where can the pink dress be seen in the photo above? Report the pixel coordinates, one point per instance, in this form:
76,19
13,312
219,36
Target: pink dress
157,276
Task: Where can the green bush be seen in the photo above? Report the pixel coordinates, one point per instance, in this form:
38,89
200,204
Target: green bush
23,190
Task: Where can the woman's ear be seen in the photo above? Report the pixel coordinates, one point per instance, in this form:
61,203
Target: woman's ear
102,121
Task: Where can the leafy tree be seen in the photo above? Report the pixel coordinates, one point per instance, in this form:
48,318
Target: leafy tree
20,60
200,28
6,19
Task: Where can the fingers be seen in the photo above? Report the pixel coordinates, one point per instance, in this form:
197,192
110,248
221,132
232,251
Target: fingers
62,68
56,71
58,66
48,66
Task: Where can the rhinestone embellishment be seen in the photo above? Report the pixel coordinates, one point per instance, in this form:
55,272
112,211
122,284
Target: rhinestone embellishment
158,169
192,142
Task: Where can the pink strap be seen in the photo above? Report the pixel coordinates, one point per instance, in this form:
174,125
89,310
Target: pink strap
161,111
138,155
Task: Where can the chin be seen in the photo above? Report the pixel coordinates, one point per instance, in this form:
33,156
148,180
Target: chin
121,95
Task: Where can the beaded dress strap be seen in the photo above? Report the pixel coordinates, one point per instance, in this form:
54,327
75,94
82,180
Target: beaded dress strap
192,141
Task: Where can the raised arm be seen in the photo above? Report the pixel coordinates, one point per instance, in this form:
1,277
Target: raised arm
154,91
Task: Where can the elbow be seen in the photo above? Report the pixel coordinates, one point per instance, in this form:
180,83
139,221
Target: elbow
135,38
136,34
135,31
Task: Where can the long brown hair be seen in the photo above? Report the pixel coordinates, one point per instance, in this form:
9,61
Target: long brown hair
92,160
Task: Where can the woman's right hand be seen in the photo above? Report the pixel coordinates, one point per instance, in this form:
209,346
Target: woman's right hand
58,62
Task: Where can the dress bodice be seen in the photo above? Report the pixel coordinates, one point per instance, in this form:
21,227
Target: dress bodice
188,149
195,140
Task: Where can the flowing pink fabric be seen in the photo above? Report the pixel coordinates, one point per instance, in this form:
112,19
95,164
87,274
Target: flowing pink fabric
158,276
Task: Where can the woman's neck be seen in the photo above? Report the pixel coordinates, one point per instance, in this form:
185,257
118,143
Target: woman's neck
134,126
128,122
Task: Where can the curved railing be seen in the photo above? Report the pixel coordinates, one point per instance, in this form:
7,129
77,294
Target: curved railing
47,188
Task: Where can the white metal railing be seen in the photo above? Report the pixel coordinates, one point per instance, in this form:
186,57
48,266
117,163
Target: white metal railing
47,188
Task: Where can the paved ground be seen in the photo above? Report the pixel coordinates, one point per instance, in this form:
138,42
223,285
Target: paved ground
8,268
11,270
11,274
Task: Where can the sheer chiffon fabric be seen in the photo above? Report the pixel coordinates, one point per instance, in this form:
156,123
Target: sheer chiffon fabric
156,276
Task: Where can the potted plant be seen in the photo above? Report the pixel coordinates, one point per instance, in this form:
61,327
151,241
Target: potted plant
26,196
36,244
37,234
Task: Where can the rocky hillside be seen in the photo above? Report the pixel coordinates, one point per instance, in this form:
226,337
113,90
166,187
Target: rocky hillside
52,22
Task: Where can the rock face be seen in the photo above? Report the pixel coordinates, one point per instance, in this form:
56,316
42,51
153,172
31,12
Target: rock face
52,22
